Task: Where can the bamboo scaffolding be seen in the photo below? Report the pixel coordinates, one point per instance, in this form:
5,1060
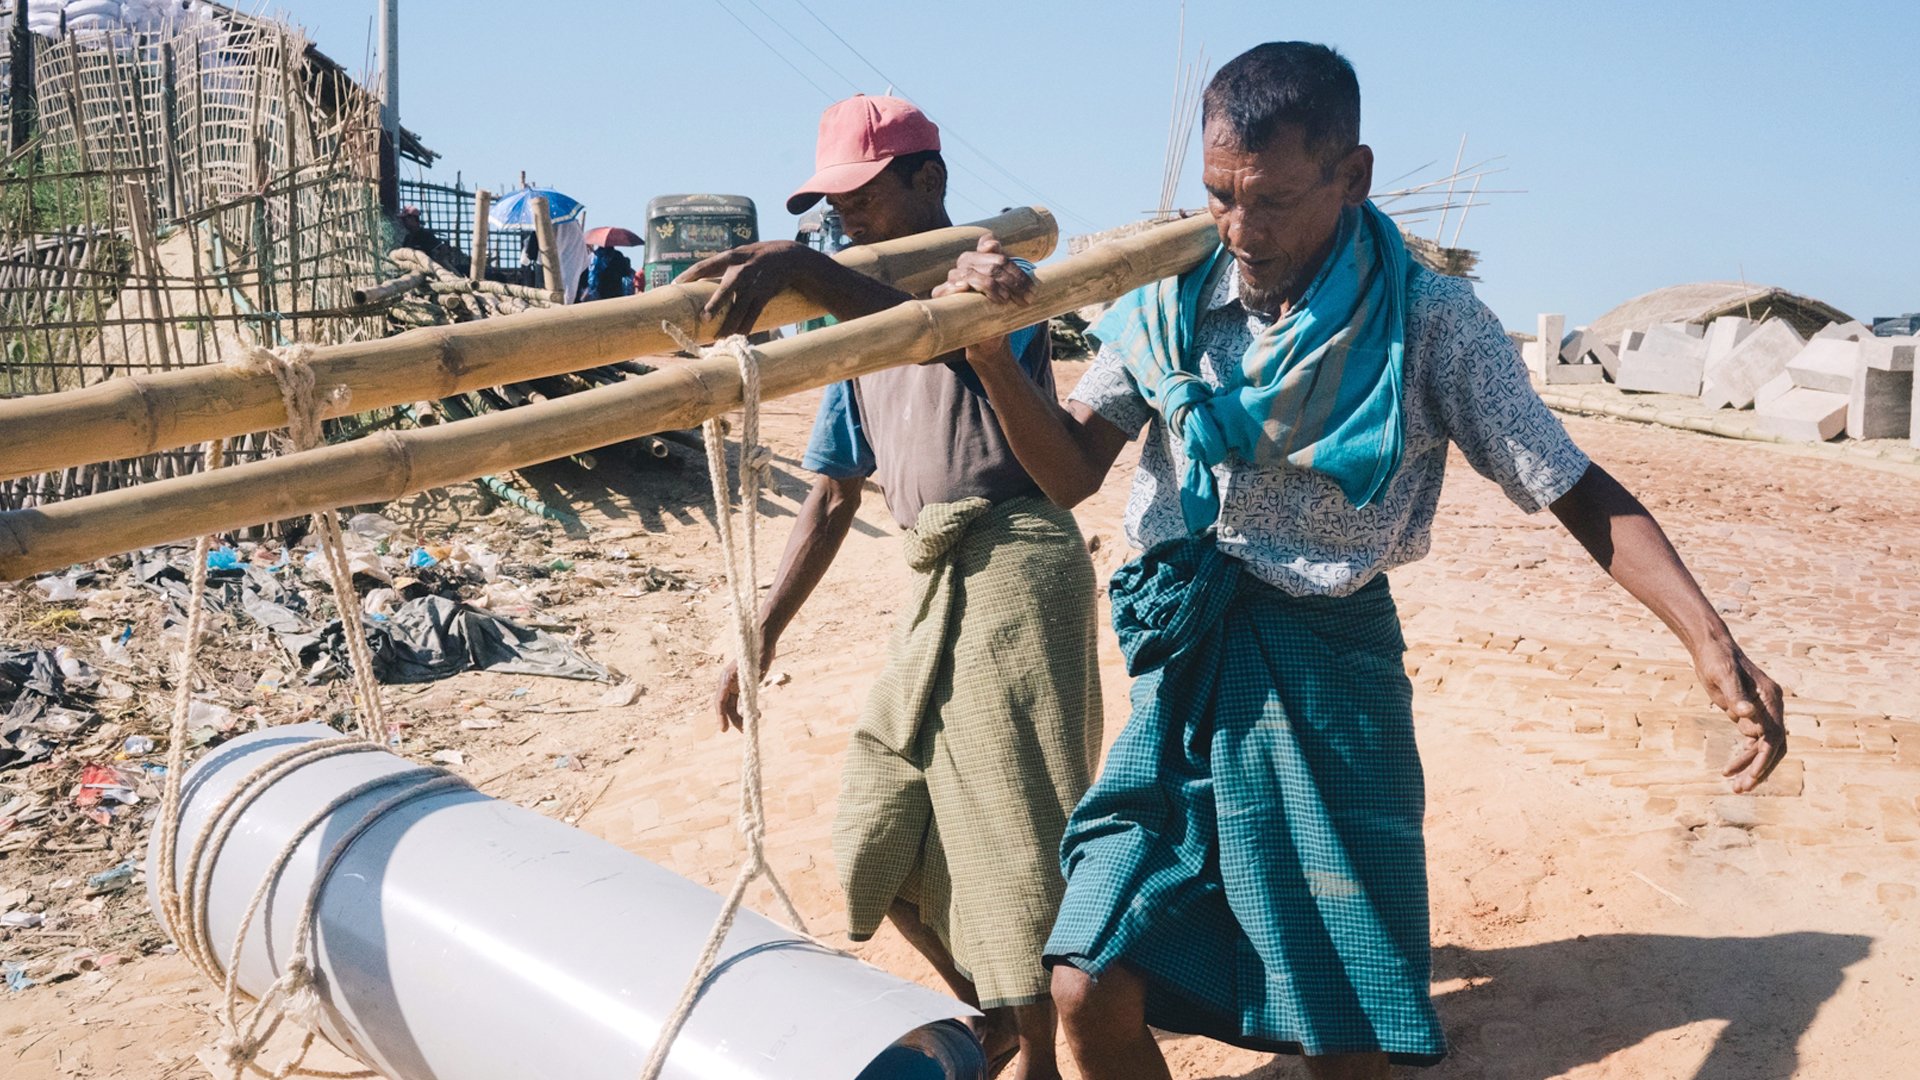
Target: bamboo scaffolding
141,414
389,465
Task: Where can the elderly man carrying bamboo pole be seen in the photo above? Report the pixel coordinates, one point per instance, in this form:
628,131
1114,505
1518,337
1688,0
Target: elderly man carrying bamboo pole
1250,864
982,733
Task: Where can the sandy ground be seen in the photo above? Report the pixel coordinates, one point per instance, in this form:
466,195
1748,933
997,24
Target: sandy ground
1601,907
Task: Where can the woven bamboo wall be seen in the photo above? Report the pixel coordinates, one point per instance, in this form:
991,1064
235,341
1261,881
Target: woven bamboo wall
188,194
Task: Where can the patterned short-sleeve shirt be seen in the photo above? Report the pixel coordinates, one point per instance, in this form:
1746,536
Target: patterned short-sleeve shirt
1464,383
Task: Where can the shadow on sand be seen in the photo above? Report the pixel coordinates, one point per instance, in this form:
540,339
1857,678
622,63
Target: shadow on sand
1536,1011
630,489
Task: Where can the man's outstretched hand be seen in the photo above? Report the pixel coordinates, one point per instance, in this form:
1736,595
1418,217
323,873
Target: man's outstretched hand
750,277
1753,702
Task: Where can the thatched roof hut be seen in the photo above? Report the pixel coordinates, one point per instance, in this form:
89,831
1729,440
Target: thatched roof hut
1704,301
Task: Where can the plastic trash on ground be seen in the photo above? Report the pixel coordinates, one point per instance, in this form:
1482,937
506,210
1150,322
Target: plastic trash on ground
372,526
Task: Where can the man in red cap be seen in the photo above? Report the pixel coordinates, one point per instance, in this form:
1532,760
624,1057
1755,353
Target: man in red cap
982,733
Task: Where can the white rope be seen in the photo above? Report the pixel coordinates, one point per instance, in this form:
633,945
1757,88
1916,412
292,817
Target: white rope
294,995
742,571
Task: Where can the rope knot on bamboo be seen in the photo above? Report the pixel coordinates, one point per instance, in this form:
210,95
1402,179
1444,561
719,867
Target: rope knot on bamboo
292,368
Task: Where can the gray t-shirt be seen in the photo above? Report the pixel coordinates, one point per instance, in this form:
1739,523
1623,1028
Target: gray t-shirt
925,433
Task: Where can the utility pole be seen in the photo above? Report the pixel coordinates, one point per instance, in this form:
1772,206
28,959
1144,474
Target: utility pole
19,78
390,68
390,106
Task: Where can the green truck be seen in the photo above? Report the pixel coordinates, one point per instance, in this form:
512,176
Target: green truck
683,229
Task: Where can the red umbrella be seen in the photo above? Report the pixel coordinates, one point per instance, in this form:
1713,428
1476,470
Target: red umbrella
612,236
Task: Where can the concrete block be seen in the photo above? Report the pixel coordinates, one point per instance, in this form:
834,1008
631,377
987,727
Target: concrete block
1826,364
1889,353
1805,415
1675,338
1666,359
1575,374
1530,356
1914,412
1846,331
1586,347
1653,372
1547,334
1726,332
1760,357
1773,389
1607,358
1880,404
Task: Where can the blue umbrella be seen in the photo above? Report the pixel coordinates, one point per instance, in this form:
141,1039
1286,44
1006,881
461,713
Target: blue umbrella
515,211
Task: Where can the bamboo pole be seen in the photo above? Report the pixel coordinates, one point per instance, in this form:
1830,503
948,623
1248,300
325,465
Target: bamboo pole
391,464
482,206
549,249
387,290
469,287
442,280
20,95
143,414
147,268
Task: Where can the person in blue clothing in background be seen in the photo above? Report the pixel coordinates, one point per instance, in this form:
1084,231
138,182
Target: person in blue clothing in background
610,274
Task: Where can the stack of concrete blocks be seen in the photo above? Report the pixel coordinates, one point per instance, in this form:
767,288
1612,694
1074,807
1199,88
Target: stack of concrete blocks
1757,355
1810,402
1670,358
1585,358
1553,358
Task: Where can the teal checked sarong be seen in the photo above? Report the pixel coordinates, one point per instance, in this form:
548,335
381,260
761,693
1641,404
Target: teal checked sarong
1253,845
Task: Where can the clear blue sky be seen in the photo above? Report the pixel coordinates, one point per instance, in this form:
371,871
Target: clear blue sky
1657,143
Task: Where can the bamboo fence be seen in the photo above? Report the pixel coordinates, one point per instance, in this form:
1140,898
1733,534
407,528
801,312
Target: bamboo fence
188,193
155,412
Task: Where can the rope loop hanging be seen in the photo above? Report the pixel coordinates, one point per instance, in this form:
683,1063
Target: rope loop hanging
742,572
294,996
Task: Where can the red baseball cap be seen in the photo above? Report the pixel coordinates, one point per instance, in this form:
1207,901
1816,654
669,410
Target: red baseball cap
859,137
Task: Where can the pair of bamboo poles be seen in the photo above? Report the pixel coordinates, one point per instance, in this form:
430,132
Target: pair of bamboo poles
142,414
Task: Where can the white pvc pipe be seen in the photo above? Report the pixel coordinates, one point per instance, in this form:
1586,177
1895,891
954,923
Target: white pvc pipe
464,938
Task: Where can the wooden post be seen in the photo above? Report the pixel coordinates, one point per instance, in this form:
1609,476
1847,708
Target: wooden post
549,249
263,260
177,205
482,206
147,266
392,464
20,105
132,416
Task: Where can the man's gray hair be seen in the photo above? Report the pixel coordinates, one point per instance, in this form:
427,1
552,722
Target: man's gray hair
1286,82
